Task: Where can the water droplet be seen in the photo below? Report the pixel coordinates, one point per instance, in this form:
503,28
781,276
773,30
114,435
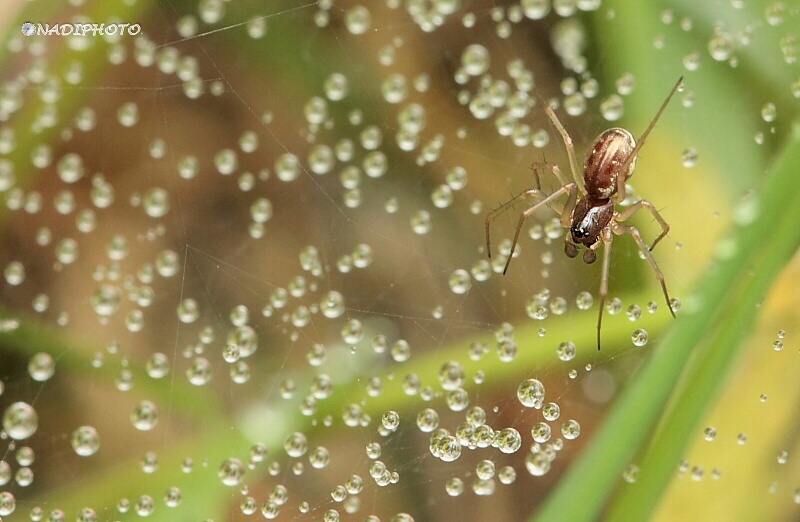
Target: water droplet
631,473
639,337
748,210
795,88
353,332
145,416
287,167
244,340
375,164
20,421
394,88
535,310
390,420
427,420
188,167
199,371
156,202
14,273
447,448
575,104
789,48
336,87
319,458
41,367
691,61
357,19
507,350
634,312
173,497
551,411
442,196
270,510
105,300
720,47
316,110
257,27
231,472
612,108
571,429
455,486
128,114
451,375
332,304
566,351
158,366
321,159
70,168
457,400
769,112
689,157
85,441
775,13
535,9
531,393
537,463
400,351
584,301
508,440
296,445
475,60
421,222
614,306
783,457
485,470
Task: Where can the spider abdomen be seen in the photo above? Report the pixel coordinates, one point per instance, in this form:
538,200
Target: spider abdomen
601,168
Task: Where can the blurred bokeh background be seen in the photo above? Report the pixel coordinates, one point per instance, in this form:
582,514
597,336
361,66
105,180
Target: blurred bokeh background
245,271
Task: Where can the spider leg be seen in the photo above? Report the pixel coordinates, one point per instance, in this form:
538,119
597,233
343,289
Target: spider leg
607,239
632,156
633,231
570,188
569,208
536,166
546,165
530,193
628,212
562,210
573,160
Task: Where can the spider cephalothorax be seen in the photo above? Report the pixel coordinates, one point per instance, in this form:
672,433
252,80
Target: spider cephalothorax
589,219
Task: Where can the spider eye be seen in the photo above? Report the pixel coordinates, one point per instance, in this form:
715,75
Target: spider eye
578,232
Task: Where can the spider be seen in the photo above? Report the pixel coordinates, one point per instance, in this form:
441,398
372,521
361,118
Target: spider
592,218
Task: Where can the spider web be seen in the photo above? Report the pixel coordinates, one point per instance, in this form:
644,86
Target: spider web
297,229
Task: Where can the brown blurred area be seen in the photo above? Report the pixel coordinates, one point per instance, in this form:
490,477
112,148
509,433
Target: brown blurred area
222,266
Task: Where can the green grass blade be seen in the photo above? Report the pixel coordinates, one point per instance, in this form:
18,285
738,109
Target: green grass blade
693,362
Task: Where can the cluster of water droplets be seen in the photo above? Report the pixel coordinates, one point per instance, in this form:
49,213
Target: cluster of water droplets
728,42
